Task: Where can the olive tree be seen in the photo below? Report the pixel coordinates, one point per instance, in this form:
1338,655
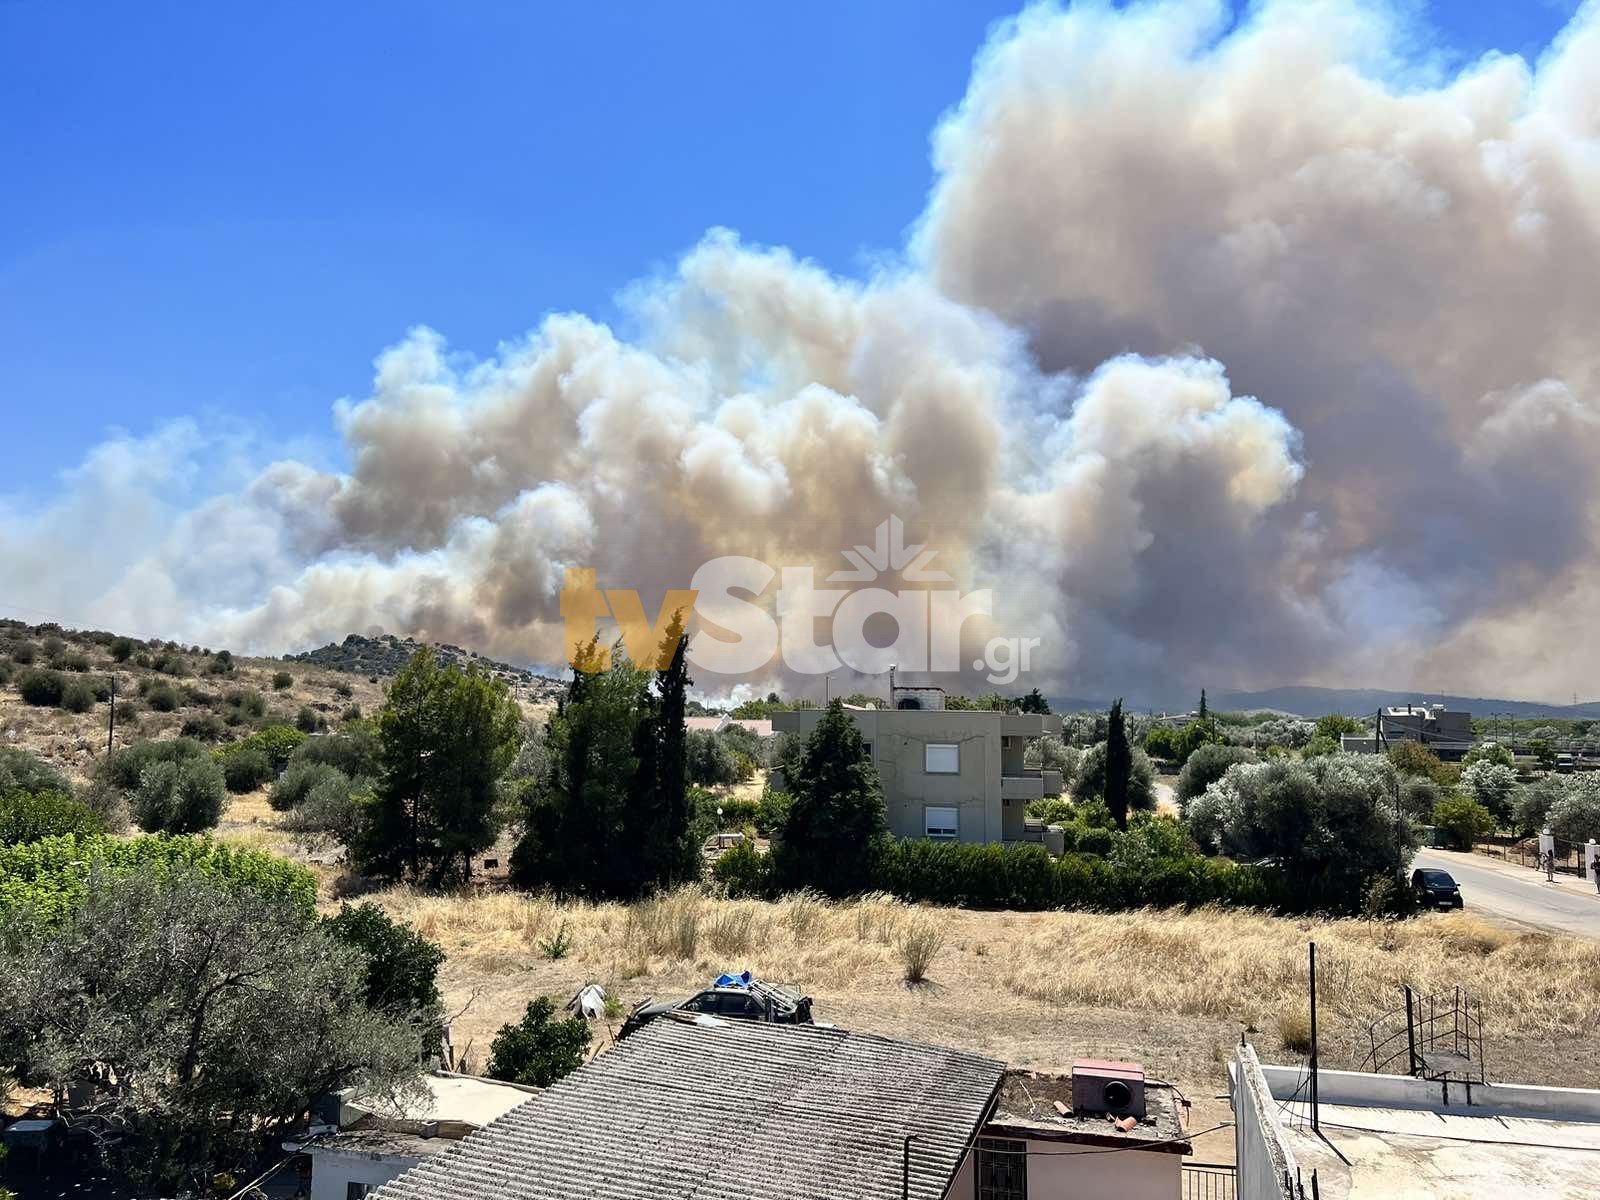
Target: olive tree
204,1017
1330,822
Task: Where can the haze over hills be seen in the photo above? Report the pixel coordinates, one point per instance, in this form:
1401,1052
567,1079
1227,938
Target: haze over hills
1307,701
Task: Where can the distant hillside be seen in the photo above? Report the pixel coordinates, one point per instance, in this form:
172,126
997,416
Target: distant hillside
1316,701
386,655
1319,701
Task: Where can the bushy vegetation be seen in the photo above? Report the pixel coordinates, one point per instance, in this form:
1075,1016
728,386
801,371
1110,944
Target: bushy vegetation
45,880
1025,877
836,816
1205,765
611,815
179,979
28,816
245,768
1332,818
180,796
41,688
1464,819
446,738
539,1049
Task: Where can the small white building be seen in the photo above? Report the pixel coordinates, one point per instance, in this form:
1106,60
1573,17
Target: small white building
373,1145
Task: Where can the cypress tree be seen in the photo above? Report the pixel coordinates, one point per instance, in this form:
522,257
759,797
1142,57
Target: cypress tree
1119,765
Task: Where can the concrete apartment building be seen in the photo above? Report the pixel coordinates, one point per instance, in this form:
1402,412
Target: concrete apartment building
948,774
1445,731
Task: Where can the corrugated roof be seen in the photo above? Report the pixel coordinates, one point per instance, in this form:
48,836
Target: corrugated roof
728,1110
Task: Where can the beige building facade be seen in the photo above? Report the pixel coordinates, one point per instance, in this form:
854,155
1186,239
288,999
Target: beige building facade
948,774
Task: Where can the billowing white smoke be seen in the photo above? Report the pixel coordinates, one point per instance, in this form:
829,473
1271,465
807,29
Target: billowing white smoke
1139,226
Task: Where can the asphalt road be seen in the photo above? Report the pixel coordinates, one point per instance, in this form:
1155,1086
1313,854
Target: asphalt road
1519,895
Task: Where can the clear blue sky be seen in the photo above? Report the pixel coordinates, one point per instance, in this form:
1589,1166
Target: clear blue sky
227,210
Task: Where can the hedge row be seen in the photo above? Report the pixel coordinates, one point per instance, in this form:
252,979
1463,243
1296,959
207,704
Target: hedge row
47,878
1027,878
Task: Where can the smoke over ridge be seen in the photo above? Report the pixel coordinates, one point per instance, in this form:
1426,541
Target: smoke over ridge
1244,357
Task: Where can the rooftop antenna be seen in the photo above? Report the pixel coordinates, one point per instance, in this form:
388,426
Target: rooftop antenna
891,684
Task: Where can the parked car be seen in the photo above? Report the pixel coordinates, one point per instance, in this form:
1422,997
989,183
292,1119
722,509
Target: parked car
1438,889
739,997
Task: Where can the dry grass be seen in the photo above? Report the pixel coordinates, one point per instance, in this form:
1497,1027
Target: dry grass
919,944
1294,1030
1213,970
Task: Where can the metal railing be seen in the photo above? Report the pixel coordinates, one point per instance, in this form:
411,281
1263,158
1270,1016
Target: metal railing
1439,1036
1210,1181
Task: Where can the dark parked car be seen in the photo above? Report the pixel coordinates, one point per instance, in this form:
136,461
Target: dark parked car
746,1001
1438,889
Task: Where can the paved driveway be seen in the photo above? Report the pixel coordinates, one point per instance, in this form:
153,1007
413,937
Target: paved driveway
1517,893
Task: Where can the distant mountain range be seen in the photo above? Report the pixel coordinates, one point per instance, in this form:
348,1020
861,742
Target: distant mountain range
1318,701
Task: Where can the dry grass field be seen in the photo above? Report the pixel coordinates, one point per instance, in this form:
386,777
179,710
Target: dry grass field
1170,989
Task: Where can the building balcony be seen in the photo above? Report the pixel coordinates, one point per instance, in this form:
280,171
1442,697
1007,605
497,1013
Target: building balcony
1022,785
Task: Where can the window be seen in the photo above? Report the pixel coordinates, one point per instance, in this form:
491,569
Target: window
358,1191
866,748
941,759
942,824
1002,1169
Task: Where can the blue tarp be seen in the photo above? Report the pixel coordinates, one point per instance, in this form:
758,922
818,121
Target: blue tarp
740,980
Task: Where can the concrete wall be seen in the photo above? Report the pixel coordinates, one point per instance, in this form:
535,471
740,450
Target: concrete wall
332,1171
1356,1088
1064,1171
1263,1156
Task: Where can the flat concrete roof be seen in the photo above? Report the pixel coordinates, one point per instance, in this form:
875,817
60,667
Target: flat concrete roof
1395,1136
1396,1153
1026,1108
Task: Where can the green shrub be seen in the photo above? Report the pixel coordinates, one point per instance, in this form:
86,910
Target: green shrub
1094,840
125,766
1464,819
538,1050
161,697
343,690
245,768
122,649
23,771
180,797
47,878
354,750
171,663
745,871
278,742
29,816
331,810
351,714
24,654
205,727
77,663
308,720
6,671
244,705
282,681
298,780
773,809
77,696
43,689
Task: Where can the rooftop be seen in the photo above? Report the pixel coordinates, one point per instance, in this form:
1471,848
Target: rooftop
1393,1137
725,1110
1027,1109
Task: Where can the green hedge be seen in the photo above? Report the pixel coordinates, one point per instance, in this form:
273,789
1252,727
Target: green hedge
46,878
1027,878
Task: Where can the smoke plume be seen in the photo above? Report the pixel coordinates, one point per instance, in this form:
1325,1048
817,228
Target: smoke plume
1224,355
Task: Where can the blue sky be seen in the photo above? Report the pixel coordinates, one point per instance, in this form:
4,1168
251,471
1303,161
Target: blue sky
227,214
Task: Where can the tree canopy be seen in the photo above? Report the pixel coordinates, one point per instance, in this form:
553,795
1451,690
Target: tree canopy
446,737
205,1018
837,812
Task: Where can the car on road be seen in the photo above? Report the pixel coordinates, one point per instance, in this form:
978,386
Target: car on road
740,997
1435,888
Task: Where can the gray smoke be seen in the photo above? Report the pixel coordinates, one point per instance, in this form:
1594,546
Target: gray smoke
1224,358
